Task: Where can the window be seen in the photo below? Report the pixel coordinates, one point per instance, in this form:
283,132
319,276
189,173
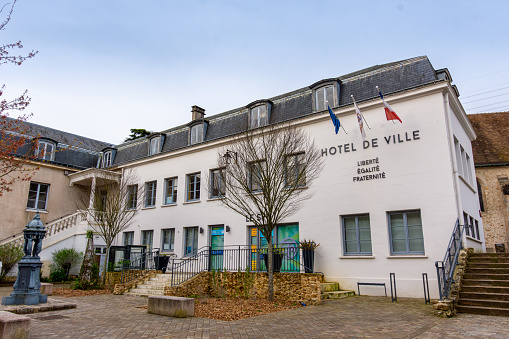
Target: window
132,197
471,225
465,222
256,170
324,96
217,188
128,238
406,232
193,187
170,191
356,235
477,230
168,240
147,238
106,161
196,134
479,193
295,174
155,145
191,241
259,116
45,150
150,191
37,196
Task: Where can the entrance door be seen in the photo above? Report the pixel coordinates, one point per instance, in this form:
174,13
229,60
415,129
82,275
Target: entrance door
288,238
216,247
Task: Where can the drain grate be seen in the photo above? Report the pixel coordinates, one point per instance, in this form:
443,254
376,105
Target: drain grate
52,317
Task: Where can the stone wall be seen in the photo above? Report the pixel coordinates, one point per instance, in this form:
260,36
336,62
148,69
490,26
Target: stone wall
298,287
496,207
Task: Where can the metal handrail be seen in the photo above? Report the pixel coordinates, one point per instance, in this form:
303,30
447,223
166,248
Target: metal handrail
445,268
138,264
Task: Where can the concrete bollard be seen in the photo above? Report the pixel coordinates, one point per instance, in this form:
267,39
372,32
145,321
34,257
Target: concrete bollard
14,326
47,288
178,307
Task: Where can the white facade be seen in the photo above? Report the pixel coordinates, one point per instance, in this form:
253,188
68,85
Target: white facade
416,170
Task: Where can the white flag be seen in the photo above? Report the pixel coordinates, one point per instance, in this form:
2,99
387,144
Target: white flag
360,119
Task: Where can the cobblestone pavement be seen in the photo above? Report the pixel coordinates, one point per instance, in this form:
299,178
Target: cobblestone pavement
110,316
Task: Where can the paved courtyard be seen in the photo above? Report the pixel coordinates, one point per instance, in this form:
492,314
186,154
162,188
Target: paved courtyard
110,316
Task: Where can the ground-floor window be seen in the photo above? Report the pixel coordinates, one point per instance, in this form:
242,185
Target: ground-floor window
471,226
191,241
405,229
168,237
147,238
356,235
128,238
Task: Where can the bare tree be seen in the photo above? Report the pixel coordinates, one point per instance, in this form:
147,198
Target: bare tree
13,131
114,207
267,174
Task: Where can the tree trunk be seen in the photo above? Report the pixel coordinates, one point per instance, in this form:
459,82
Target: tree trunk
270,270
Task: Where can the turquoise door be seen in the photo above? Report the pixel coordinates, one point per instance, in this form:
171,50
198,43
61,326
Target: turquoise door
216,247
288,238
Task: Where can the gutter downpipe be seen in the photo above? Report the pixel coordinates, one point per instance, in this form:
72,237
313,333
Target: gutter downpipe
452,151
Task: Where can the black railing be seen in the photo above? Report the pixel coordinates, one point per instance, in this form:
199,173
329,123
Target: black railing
445,268
138,265
240,258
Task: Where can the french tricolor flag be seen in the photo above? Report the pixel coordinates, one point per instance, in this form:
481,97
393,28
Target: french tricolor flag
389,112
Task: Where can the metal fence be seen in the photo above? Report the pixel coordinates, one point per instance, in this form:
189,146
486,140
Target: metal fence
445,268
138,265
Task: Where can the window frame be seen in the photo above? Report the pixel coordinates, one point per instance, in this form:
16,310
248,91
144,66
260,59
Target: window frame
193,188
150,193
220,174
406,231
255,165
194,241
144,238
132,197
38,196
296,169
129,235
357,235
154,145
106,159
174,191
45,152
256,118
171,233
196,133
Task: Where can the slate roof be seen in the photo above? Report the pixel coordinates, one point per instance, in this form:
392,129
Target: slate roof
491,145
72,150
391,78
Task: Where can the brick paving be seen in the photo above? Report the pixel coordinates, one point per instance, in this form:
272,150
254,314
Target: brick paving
110,316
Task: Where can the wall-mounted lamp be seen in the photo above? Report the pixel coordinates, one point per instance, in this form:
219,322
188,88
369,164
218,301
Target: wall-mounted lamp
227,228
228,156
201,230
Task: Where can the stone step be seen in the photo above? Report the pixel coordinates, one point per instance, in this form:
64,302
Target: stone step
482,264
482,295
489,255
485,289
484,303
483,276
483,310
146,291
150,287
486,271
481,281
337,294
136,294
329,287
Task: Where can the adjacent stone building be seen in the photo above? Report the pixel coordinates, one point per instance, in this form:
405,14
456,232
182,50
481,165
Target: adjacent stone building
491,158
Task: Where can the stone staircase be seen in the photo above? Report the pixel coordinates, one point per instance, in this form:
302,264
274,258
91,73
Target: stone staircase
330,290
153,286
485,285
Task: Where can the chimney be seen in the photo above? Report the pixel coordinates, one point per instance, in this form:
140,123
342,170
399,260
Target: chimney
198,112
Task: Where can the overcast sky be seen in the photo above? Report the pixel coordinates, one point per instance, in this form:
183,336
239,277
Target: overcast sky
105,67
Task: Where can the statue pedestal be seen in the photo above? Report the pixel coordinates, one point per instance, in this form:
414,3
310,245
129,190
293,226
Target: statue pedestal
27,288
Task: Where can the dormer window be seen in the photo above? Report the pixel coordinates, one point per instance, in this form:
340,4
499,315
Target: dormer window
259,113
45,150
325,93
196,134
106,159
156,141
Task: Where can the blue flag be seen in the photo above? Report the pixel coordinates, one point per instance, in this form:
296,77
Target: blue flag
335,120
